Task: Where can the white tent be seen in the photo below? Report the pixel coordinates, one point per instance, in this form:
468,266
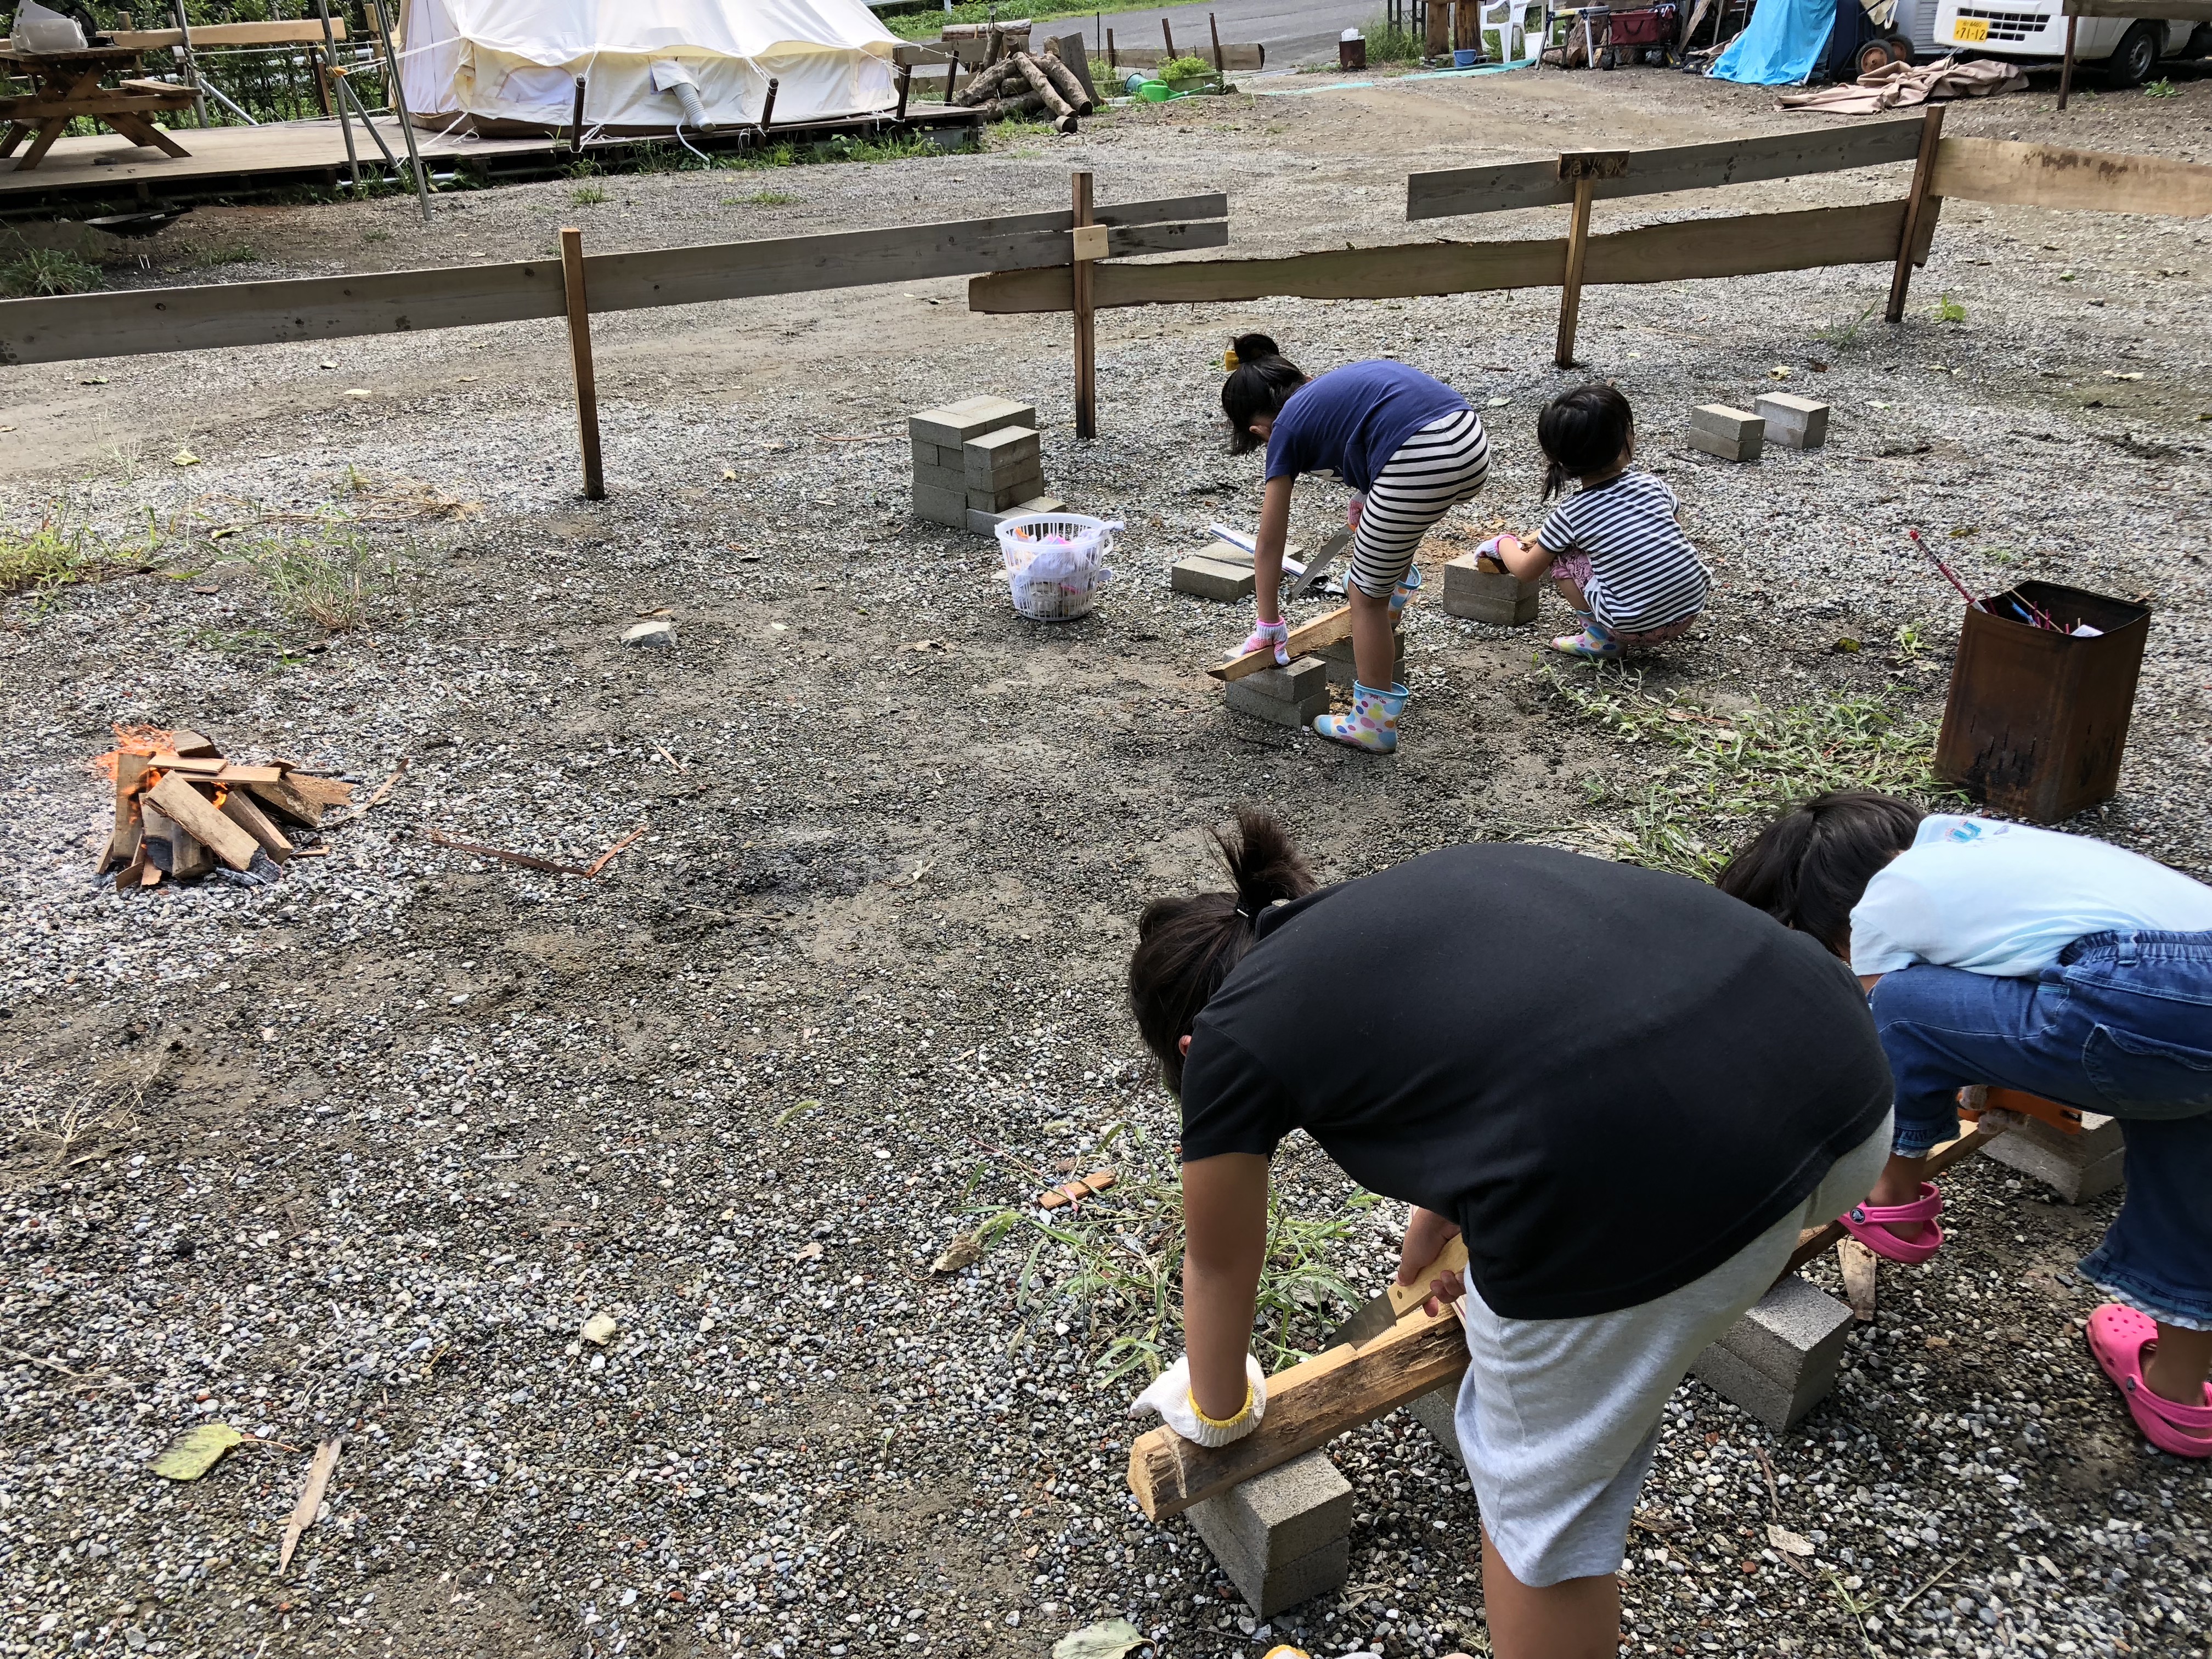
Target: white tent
504,64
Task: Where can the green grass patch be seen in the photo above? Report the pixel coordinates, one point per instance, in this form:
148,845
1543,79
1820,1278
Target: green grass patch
588,195
44,270
769,198
1388,43
210,254
48,558
334,577
2161,89
1948,310
1116,1261
1714,780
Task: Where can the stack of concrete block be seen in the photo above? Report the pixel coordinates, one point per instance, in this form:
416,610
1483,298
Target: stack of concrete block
2075,1167
975,461
1733,434
1288,696
1489,596
1792,421
1780,1359
1283,1537
1339,659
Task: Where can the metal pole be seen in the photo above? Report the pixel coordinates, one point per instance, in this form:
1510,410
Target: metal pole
399,107
332,74
191,64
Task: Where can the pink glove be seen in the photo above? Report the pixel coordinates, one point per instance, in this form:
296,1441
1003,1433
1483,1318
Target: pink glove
1351,514
1274,634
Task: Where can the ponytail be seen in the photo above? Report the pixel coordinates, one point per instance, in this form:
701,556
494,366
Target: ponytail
1186,947
1260,384
1583,431
1810,867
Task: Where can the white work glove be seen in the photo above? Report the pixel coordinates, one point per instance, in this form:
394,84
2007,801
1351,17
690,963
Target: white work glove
1169,1395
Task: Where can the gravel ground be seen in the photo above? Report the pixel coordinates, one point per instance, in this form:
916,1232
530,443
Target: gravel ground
358,1154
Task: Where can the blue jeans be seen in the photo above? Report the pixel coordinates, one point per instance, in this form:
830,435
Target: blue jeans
2122,1025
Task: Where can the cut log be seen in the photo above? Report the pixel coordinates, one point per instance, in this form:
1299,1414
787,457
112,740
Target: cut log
1324,630
197,817
240,808
1064,82
980,86
172,849
1308,1406
1041,83
1023,104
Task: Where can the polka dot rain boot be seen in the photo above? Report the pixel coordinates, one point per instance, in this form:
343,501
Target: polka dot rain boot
1372,724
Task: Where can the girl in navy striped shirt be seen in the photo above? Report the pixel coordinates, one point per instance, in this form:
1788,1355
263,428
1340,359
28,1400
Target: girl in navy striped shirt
1615,549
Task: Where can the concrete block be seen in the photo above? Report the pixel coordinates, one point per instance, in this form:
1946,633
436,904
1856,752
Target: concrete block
999,497
1003,454
941,505
1306,676
985,523
954,424
1792,421
1437,1411
1489,596
929,454
1339,659
1282,711
1283,1537
1210,580
1733,434
661,633
2075,1167
951,478
1779,1360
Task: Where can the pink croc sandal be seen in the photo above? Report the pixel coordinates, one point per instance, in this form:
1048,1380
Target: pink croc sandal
1869,1223
2117,1337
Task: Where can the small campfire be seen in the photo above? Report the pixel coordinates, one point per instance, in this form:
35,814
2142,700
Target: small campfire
182,811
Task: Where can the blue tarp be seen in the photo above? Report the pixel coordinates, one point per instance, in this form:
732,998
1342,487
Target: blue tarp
1782,44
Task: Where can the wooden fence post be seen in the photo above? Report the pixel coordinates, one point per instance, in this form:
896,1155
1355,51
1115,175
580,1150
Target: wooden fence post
2066,68
1086,335
580,351
1583,170
1915,207
1220,64
1167,34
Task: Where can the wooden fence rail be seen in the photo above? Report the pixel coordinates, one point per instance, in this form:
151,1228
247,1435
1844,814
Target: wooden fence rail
72,327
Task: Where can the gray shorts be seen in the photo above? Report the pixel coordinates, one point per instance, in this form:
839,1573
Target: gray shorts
1559,1418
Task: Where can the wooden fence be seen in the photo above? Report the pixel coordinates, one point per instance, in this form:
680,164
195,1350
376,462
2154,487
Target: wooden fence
71,327
1897,231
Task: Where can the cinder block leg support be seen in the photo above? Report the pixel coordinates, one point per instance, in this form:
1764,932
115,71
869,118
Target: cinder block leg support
1437,1411
1779,1360
2075,1167
1283,1537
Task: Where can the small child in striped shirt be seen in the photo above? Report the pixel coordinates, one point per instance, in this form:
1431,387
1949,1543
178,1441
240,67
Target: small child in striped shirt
1615,549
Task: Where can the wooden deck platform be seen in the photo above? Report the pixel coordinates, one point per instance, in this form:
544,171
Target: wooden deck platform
232,162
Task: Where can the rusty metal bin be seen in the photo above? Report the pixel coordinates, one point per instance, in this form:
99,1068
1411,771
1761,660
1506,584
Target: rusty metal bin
2038,720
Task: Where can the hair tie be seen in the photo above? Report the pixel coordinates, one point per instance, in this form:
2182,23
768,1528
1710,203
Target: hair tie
1248,915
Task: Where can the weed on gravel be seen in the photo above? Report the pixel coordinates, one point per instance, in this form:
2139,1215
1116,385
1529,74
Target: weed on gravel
1726,773
44,270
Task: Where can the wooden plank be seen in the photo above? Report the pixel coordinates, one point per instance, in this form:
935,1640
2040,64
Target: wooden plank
234,773
241,809
1323,630
1086,335
1308,1406
231,35
2181,11
1452,1259
1748,244
84,325
2050,176
289,802
325,792
576,291
1917,206
196,815
1570,290
1656,172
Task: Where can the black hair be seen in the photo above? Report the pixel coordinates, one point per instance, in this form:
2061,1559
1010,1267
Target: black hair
1260,384
1581,432
1186,947
1809,868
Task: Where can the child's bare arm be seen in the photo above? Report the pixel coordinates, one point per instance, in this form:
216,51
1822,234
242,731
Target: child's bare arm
1527,559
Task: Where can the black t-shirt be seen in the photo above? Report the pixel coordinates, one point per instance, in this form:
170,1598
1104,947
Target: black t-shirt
1612,1079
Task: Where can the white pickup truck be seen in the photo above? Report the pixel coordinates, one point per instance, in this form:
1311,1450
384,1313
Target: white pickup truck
2126,49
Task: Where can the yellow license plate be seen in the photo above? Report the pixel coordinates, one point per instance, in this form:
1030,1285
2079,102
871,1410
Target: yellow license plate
1970,28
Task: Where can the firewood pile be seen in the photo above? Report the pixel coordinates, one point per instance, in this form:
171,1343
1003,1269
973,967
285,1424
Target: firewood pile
182,811
1022,82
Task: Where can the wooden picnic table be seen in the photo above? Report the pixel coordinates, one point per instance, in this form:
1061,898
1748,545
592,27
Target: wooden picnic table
67,85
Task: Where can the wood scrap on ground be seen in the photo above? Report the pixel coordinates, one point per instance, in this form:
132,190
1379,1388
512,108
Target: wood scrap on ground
1074,1192
1859,1265
311,1501
531,861
182,809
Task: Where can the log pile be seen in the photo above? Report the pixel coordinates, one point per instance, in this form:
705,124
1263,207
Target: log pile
182,811
1022,82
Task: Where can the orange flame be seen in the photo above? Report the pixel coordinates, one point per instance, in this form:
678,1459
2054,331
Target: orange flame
133,740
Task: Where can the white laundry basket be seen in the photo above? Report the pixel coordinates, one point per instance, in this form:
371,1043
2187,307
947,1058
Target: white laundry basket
1056,562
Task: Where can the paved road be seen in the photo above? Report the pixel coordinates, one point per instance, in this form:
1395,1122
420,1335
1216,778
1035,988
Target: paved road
1293,30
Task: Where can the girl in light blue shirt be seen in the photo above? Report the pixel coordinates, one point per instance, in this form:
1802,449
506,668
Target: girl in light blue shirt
2063,966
